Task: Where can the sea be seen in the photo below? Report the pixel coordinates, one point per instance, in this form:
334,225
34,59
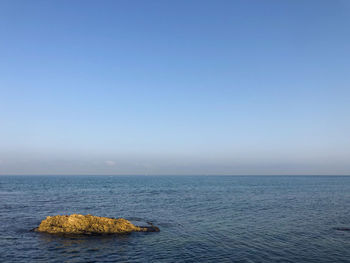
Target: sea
201,218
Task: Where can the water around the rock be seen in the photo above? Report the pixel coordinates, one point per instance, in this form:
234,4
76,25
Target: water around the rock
201,219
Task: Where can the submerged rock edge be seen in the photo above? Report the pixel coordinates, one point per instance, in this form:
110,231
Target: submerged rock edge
77,224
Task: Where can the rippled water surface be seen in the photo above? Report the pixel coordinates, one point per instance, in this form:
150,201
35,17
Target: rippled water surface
202,218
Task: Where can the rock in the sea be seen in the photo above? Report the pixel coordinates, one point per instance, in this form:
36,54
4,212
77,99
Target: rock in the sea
89,225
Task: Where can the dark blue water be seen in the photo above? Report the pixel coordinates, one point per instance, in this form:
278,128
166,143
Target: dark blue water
202,219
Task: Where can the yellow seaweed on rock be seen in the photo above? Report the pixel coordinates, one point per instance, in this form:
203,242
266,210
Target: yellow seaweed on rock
89,224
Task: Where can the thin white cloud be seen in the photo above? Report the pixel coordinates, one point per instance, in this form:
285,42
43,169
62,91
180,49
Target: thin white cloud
110,163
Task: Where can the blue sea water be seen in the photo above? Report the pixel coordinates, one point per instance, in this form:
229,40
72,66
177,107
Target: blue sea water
201,218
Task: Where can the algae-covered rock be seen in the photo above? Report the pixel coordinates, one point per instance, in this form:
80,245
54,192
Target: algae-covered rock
88,224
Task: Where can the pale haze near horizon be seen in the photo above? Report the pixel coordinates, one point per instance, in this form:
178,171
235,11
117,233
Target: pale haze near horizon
175,87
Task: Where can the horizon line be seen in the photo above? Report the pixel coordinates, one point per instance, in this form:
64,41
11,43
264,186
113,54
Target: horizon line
145,175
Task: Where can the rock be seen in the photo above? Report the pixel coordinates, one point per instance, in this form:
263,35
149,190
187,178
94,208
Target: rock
89,225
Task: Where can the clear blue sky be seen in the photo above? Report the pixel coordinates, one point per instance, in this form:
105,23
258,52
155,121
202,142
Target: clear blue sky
175,87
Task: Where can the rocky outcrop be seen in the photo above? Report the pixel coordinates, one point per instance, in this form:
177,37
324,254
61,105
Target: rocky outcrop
89,225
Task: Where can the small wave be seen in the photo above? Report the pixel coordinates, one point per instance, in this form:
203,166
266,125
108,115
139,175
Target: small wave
342,228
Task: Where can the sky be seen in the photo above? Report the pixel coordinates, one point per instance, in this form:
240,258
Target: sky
180,87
